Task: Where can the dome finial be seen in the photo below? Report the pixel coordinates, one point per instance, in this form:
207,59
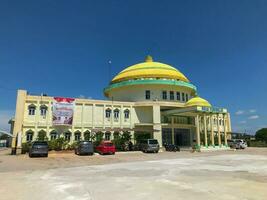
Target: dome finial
149,58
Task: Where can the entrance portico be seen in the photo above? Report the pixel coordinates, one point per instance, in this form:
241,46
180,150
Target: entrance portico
211,126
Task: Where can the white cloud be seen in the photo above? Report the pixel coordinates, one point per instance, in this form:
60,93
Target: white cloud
252,110
5,116
253,117
243,122
239,112
81,96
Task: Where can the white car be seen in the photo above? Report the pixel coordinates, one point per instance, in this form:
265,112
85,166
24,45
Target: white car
237,143
242,144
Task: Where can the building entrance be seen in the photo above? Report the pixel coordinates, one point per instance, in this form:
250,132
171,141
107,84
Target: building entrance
182,137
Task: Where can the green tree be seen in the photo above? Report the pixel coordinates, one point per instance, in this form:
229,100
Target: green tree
261,135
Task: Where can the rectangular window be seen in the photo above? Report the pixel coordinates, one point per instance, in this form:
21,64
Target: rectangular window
183,97
29,137
171,95
147,94
31,111
178,96
164,95
186,97
43,112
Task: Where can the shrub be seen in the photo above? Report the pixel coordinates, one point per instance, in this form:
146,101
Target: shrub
25,146
56,144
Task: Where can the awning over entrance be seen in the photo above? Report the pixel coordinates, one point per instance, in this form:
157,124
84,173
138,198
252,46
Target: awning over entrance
192,111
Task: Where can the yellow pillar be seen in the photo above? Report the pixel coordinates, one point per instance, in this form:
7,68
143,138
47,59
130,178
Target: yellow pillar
212,130
21,98
197,131
218,131
225,130
205,130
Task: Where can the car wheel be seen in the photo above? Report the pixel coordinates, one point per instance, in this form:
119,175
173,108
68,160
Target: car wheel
30,155
46,155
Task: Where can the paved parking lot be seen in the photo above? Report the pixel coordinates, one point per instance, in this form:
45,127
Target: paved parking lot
183,175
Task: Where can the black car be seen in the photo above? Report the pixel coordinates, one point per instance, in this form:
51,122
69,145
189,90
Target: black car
84,148
38,148
149,145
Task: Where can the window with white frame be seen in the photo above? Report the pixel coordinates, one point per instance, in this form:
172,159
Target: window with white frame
171,95
164,95
116,113
77,136
186,97
178,96
126,114
43,110
108,113
31,109
67,136
53,135
183,96
147,94
107,135
29,136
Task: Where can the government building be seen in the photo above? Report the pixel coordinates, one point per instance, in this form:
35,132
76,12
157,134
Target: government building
150,98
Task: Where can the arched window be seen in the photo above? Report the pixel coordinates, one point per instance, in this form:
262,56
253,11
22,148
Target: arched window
126,114
29,136
31,109
108,113
77,136
116,113
99,136
87,135
116,135
107,135
53,135
67,136
43,110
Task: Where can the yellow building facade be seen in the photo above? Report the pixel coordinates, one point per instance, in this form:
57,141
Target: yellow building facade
149,98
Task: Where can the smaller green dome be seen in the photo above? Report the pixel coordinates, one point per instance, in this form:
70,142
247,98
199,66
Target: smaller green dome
197,101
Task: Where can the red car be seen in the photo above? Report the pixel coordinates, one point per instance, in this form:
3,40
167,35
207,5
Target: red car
106,147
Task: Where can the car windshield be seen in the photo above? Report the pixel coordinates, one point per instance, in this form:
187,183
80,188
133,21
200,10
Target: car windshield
153,142
40,143
108,144
85,143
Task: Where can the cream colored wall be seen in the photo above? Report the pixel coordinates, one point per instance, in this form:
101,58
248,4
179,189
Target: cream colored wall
143,114
125,93
88,115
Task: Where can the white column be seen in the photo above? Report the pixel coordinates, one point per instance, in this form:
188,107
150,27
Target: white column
225,129
212,130
205,130
197,130
157,132
218,130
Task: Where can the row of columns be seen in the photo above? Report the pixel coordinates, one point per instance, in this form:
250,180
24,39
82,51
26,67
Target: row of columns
199,124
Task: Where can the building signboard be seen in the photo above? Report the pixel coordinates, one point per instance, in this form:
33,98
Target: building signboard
63,109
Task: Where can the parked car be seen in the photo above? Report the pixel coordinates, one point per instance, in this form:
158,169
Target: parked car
242,143
237,143
84,148
38,148
149,145
171,147
106,147
232,144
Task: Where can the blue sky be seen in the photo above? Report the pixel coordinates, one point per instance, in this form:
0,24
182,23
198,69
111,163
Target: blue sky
62,48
